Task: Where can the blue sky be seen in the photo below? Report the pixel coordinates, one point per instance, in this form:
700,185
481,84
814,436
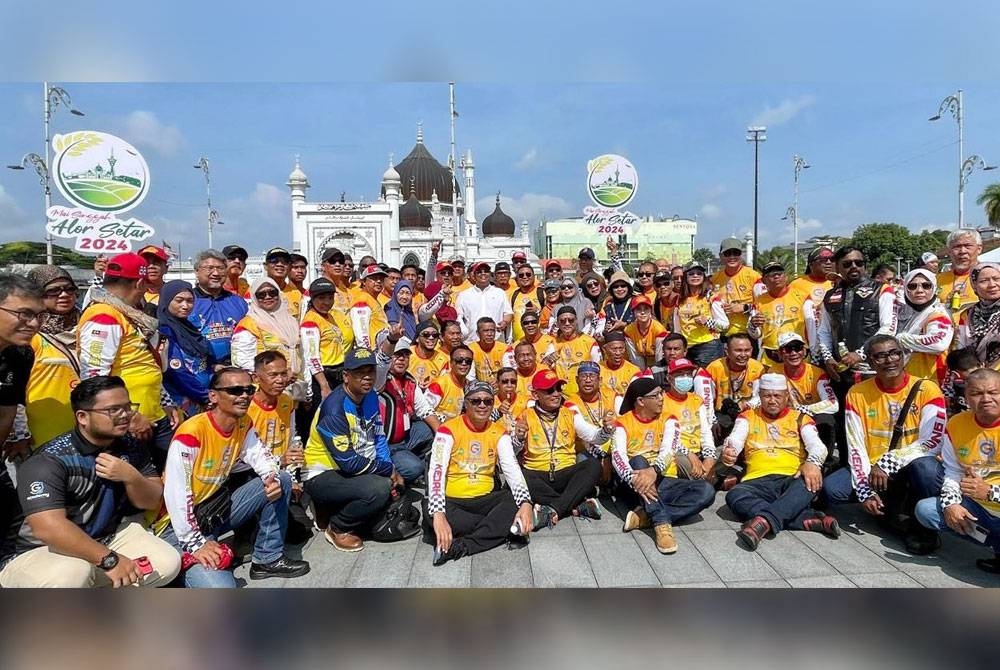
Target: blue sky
849,88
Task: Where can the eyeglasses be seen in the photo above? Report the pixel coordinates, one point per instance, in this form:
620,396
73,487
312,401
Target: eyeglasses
462,361
430,336
848,263
530,322
117,411
795,347
213,269
25,315
237,391
655,395
277,261
57,291
264,295
508,381
568,320
525,275
644,274
915,285
886,356
730,253
480,402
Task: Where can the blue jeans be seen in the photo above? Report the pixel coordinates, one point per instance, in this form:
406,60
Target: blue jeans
922,478
781,499
930,515
703,354
405,454
677,498
248,500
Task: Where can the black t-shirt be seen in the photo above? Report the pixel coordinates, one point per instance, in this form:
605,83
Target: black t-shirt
62,475
15,367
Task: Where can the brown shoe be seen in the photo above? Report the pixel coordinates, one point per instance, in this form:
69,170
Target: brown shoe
343,541
823,523
636,519
665,542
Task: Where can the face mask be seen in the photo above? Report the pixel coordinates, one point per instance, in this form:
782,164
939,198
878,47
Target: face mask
683,384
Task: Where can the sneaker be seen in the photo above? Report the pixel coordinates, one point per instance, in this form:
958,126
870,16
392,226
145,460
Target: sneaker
590,509
545,517
636,519
665,542
823,523
343,541
455,552
728,482
283,567
753,532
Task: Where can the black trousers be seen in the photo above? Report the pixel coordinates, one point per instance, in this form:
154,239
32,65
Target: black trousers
10,509
826,426
305,412
477,524
569,487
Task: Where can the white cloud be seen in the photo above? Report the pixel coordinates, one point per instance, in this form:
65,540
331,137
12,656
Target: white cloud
145,130
528,160
531,207
710,211
259,220
784,112
810,224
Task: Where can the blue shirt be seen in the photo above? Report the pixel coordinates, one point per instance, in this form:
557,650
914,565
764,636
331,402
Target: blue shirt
216,317
353,434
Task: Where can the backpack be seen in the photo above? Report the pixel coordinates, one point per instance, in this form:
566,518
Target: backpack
399,521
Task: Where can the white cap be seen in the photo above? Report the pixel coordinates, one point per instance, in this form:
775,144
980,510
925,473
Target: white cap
928,257
773,382
789,337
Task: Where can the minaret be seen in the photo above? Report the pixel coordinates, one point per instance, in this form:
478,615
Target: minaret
469,170
392,184
297,184
111,161
435,204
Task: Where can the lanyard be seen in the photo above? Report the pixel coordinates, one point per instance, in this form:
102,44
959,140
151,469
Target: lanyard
550,436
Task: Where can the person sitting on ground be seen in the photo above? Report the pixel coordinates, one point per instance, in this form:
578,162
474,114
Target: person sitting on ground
465,513
892,463
969,503
546,437
784,457
445,393
809,388
205,496
682,403
349,473
617,371
75,494
644,457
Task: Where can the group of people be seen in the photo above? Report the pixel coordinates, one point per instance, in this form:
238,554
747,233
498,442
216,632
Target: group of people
146,421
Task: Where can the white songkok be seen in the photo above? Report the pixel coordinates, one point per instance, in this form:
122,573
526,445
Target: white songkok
773,382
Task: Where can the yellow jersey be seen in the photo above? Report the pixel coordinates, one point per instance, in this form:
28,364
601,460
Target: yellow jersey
570,353
968,444
693,420
773,446
425,370
736,288
488,363
367,319
617,380
738,385
519,305
782,314
273,425
473,457
294,297
325,339
53,375
956,291
816,290
541,345
643,438
649,345
446,396
687,311
549,446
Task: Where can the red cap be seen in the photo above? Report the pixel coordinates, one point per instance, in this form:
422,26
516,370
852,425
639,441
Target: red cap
553,263
127,266
475,266
641,300
680,364
545,379
519,254
156,252
440,267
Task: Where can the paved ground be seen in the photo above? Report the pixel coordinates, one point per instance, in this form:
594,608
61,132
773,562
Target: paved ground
580,553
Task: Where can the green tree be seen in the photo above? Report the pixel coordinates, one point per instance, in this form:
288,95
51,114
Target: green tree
990,200
782,255
883,242
706,257
34,252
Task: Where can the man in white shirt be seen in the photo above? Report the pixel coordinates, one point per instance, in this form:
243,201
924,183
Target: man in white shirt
482,299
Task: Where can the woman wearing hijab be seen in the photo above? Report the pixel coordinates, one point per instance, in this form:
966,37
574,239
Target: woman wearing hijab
923,329
618,309
188,359
56,369
979,324
268,326
399,309
571,295
594,289
700,317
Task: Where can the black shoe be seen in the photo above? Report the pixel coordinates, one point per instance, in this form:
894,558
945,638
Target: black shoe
921,542
283,567
990,565
455,552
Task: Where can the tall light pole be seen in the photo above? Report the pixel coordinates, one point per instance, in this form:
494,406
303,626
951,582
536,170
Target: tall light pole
800,164
969,165
953,104
756,135
213,215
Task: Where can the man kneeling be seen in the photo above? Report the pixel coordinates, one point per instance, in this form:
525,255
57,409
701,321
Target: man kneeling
784,457
75,493
468,515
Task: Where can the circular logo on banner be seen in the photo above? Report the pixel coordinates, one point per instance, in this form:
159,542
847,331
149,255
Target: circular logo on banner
611,180
99,171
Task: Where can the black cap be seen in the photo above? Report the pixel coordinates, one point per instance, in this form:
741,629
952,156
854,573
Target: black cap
332,255
772,266
614,336
296,258
587,254
636,389
565,309
502,266
321,286
275,253
235,250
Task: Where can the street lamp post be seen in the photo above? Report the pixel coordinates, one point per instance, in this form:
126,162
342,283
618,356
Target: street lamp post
953,104
969,165
756,134
800,164
213,215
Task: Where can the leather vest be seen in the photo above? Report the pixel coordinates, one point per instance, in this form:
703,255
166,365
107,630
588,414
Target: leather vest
853,313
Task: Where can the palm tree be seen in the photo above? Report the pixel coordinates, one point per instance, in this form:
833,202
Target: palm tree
990,199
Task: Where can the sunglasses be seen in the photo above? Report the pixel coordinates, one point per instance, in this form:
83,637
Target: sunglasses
912,287
430,336
566,286
854,263
554,389
462,361
732,252
508,381
795,347
264,295
568,319
59,290
592,284
529,323
645,274
551,290
525,275
237,391
480,402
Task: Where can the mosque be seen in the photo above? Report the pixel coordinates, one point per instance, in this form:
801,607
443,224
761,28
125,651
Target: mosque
419,202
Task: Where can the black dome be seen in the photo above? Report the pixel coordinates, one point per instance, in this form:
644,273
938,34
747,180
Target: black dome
426,174
498,224
413,215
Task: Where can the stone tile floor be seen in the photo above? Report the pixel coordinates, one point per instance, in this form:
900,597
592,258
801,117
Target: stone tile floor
581,553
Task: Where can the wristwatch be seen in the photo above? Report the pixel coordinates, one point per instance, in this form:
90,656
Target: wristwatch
109,562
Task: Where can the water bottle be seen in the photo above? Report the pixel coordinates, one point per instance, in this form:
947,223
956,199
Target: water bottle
295,469
842,351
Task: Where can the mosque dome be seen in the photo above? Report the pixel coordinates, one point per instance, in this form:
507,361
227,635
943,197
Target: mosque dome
498,224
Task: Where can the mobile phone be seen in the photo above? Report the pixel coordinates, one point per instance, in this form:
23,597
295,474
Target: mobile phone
978,533
145,567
